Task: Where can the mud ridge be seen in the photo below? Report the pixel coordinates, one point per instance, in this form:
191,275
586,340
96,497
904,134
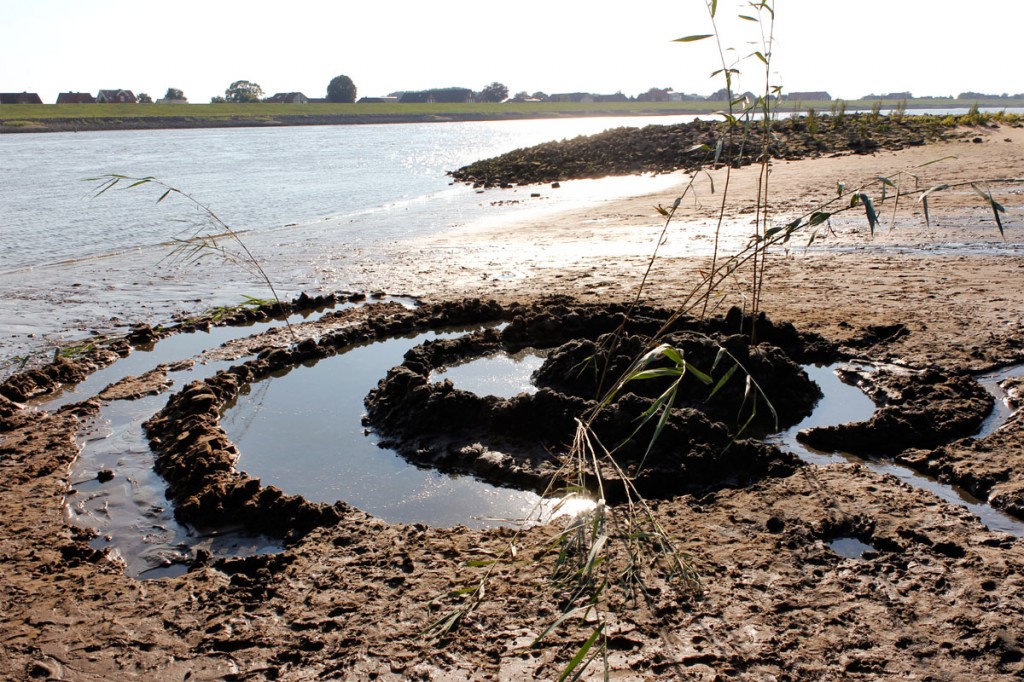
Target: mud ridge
197,458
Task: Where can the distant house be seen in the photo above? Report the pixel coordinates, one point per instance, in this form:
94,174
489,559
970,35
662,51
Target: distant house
288,98
807,96
617,97
683,97
75,98
19,98
116,97
377,100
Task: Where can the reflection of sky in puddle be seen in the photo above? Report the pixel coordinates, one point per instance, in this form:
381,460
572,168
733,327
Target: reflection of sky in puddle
851,548
500,374
1002,409
168,350
301,431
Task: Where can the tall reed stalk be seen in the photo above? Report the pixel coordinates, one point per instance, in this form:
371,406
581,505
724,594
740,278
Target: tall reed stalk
223,240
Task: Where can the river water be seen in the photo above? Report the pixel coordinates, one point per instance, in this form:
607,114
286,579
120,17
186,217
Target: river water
309,201
304,199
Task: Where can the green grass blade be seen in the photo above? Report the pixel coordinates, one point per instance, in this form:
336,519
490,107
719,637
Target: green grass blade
721,382
671,353
655,373
581,654
997,208
869,210
558,621
701,376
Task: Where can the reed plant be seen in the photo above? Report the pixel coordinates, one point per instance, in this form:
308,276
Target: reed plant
213,236
622,548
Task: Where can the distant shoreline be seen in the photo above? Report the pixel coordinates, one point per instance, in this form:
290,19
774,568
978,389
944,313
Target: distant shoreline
49,118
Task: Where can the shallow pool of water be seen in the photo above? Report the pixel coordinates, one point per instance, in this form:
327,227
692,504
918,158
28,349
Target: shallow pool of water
501,374
849,547
302,431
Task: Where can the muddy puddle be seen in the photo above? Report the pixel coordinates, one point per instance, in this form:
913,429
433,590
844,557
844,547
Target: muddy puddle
115,490
174,349
843,403
292,427
850,547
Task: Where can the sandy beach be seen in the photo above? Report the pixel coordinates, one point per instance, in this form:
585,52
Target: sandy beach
939,596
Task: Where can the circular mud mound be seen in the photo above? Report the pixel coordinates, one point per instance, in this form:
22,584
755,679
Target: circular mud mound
521,441
666,446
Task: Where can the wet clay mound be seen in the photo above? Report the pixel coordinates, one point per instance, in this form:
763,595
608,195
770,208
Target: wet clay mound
515,440
584,368
916,409
42,381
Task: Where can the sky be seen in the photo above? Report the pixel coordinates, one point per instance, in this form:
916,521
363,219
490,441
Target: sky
850,49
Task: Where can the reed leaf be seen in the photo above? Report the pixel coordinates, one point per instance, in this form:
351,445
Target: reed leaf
997,208
580,655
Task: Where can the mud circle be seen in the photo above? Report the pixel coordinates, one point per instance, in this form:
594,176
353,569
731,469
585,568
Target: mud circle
520,441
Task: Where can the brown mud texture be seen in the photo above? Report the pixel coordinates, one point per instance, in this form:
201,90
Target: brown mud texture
934,595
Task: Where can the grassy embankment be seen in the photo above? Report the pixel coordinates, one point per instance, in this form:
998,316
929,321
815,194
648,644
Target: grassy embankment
49,117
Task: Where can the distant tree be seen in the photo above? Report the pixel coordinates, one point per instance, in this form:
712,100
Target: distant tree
438,96
243,91
341,89
143,98
521,96
174,93
495,92
217,99
654,95
542,96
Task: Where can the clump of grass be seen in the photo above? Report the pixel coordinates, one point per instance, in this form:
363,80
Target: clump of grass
838,113
973,117
876,112
899,111
222,312
812,121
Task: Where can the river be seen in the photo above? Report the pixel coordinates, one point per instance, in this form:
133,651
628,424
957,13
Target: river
304,199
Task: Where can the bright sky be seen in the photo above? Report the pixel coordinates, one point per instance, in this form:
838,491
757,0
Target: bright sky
850,49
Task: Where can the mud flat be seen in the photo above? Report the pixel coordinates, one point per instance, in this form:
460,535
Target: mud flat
808,572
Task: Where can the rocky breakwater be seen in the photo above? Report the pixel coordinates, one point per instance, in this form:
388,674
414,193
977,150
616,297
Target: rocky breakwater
689,146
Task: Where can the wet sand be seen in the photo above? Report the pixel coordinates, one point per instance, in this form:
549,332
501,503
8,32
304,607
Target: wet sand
937,597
